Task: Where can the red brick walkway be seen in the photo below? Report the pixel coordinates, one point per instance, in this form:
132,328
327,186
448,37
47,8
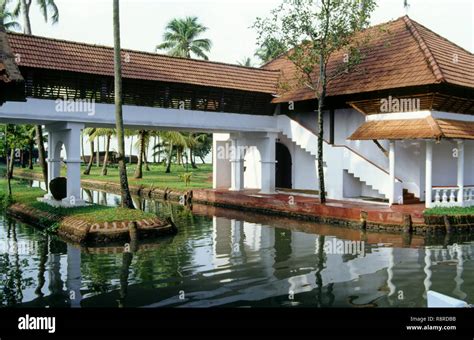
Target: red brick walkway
310,205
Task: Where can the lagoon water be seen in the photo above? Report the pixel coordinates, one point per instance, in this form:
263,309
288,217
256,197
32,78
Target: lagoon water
228,258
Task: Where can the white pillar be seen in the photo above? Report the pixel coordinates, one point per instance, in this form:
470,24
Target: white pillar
73,162
53,160
429,174
237,164
268,156
460,175
220,161
391,159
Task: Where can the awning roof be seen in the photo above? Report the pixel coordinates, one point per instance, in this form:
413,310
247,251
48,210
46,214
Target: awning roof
425,128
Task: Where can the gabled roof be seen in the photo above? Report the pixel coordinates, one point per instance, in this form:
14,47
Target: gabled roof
400,53
54,54
424,128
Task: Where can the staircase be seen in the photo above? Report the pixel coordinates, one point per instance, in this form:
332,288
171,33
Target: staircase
356,164
409,198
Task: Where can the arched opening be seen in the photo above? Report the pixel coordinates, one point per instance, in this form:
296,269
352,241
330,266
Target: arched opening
283,167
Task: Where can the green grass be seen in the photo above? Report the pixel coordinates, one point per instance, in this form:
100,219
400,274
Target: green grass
452,211
24,194
201,178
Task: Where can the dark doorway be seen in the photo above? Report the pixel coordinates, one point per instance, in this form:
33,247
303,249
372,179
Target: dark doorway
283,167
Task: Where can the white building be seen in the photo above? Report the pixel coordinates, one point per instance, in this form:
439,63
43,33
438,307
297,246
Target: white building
399,128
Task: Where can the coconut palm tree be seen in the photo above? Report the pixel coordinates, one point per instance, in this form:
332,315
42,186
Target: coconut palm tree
124,189
247,62
173,140
107,134
49,10
7,18
181,39
270,49
143,139
90,132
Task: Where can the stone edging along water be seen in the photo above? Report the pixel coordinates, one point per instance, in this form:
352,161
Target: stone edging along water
81,231
430,225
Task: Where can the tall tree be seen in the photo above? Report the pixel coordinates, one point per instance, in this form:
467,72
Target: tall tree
181,39
49,10
107,134
143,136
269,49
313,30
90,133
124,189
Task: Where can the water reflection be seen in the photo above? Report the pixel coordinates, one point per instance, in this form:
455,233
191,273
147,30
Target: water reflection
226,258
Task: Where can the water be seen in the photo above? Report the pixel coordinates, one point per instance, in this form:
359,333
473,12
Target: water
228,258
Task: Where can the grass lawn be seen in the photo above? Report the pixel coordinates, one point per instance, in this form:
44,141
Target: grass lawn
453,211
201,177
24,194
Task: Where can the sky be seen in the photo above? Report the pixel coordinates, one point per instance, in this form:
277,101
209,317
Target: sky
229,21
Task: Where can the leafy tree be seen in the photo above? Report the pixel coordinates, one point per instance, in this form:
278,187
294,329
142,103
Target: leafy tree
269,49
107,133
181,39
313,30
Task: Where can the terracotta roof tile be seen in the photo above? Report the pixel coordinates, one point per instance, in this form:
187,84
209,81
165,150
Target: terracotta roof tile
426,128
400,53
47,53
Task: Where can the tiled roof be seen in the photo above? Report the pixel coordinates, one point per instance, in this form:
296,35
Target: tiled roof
53,54
425,128
400,53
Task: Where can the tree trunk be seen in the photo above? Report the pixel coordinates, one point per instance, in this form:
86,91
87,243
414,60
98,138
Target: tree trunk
42,153
191,157
82,147
9,175
11,163
154,153
124,189
25,10
141,143
145,161
97,158
202,160
131,149
87,171
322,187
106,157
168,161
30,156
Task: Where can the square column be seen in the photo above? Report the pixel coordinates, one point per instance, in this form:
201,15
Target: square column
391,159
72,137
268,160
237,164
460,174
429,174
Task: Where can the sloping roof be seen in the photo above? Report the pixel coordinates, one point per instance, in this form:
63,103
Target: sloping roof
400,53
425,128
53,54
